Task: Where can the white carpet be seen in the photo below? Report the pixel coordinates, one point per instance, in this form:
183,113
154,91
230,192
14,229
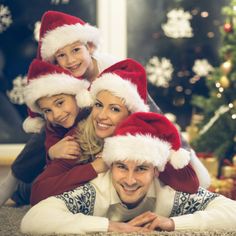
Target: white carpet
10,219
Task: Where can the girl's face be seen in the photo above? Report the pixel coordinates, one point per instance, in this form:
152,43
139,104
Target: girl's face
76,58
108,111
59,109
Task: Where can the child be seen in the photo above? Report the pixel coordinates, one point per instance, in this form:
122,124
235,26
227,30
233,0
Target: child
59,102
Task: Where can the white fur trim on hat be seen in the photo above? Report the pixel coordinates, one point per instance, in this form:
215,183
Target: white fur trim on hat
179,158
141,148
33,125
84,99
53,84
121,88
65,35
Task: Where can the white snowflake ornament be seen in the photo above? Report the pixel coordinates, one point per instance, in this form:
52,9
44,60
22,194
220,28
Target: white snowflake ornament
178,24
16,94
5,18
57,2
36,30
159,71
202,67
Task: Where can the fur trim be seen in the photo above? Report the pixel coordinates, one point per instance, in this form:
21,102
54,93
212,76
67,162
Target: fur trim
33,125
120,88
84,99
52,84
147,149
67,34
179,158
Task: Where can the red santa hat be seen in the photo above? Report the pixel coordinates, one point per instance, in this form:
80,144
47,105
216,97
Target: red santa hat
59,29
127,80
146,137
46,79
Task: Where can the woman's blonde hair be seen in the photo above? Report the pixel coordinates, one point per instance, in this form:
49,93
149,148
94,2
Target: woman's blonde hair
90,144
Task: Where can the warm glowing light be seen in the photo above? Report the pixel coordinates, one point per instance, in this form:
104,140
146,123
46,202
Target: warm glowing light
204,14
221,90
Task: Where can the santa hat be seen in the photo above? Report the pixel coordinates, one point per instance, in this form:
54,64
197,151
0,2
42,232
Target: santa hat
146,137
46,79
127,80
59,29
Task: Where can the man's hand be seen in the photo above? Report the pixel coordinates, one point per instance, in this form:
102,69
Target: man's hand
124,228
153,222
66,148
162,223
143,220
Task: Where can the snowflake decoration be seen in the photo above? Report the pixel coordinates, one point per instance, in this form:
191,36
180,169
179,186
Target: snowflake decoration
57,2
202,67
16,94
159,71
5,18
37,26
178,25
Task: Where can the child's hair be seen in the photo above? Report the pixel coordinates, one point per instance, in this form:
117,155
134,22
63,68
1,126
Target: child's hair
90,144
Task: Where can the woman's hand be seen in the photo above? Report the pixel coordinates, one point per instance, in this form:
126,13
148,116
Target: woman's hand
66,148
99,165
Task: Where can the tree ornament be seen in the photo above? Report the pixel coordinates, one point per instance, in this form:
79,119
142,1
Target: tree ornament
234,103
226,67
224,82
228,27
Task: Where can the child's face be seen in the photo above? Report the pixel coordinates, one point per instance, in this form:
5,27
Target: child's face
59,109
108,111
76,58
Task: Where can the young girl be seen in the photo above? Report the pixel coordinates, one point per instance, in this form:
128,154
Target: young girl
119,91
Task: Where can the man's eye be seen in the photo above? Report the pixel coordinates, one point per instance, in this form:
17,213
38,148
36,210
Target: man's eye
142,168
122,167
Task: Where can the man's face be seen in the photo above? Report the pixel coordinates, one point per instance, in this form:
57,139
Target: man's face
132,181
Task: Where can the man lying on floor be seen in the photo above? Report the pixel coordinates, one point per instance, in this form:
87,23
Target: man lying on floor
129,197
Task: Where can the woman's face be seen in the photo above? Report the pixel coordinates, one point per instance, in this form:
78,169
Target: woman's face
108,111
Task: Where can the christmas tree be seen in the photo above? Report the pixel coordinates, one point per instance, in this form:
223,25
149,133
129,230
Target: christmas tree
217,130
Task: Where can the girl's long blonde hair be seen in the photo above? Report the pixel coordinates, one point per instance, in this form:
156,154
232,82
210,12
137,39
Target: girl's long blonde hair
90,144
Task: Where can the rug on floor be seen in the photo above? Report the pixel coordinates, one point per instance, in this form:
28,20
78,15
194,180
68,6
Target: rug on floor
10,218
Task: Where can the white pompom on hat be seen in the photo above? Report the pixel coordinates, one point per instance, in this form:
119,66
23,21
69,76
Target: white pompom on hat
146,137
59,29
127,80
45,80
